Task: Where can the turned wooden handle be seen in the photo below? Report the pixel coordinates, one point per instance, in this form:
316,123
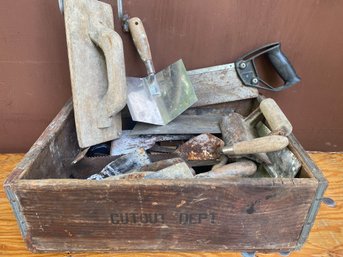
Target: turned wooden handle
258,145
275,117
140,38
236,169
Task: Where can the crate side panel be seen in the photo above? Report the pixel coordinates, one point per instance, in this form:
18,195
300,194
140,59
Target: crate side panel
115,217
58,152
314,171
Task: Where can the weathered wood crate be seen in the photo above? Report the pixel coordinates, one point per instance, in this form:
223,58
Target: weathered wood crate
56,213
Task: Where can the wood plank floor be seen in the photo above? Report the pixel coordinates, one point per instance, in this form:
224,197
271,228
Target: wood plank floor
325,240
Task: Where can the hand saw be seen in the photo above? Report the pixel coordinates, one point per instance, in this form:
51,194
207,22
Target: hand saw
240,80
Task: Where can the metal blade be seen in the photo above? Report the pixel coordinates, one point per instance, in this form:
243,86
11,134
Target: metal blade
129,143
141,103
184,124
219,84
162,102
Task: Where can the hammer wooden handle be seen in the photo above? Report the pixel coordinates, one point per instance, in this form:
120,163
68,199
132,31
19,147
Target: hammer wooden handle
277,120
257,145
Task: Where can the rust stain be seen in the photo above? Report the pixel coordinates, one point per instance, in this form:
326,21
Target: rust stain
202,147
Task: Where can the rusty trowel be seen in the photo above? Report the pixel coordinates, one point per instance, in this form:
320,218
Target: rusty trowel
158,98
97,71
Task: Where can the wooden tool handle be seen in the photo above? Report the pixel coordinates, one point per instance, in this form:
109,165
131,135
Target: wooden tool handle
112,46
141,42
275,117
257,145
236,169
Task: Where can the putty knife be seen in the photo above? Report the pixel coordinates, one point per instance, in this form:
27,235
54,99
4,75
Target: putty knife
158,98
97,71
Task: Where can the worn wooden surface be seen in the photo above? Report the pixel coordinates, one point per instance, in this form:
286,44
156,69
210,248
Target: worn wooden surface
326,238
102,74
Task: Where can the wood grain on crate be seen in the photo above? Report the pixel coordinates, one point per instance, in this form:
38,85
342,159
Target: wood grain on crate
325,240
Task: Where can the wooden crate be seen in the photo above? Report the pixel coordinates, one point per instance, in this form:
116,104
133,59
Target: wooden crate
56,213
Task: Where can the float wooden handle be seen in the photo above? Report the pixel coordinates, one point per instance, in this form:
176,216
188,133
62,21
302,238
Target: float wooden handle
112,46
257,145
277,120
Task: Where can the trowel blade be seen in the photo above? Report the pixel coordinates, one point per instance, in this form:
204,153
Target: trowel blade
160,100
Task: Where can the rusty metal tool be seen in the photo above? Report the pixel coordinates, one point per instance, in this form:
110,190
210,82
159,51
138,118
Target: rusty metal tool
201,147
123,164
128,143
284,164
160,97
240,140
97,70
202,150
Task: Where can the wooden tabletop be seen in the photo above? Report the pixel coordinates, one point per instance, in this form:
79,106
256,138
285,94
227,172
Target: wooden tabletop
326,237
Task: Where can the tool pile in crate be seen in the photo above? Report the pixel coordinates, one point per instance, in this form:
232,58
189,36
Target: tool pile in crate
195,151
181,124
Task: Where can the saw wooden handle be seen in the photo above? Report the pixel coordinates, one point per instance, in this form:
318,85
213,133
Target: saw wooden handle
141,42
258,145
277,120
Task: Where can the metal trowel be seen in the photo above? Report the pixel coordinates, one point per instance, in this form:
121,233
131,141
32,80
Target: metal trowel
97,71
158,98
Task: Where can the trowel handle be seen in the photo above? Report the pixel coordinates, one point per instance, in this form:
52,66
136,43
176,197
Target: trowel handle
141,42
277,120
112,46
258,145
